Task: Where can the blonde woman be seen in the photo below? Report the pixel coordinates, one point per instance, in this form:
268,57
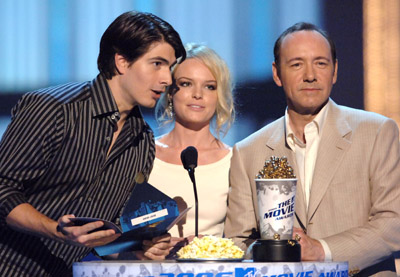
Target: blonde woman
200,107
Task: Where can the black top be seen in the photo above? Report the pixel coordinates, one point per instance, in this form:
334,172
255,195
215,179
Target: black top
53,155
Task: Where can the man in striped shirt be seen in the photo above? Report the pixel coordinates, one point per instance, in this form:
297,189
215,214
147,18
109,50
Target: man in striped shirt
76,149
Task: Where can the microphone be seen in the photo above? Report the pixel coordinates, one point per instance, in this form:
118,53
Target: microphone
189,161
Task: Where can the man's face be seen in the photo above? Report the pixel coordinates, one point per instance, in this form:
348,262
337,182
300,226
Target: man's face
142,82
306,71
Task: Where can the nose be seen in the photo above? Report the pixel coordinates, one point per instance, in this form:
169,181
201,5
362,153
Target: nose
166,77
309,74
197,92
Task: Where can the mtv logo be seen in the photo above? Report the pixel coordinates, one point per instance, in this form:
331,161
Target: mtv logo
245,272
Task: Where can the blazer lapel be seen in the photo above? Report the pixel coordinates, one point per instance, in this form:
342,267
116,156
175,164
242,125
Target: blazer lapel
336,139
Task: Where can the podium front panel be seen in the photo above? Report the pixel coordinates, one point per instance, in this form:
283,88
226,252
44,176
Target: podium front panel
208,269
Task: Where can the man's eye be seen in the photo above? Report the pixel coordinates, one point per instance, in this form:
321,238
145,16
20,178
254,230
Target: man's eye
295,65
322,64
157,63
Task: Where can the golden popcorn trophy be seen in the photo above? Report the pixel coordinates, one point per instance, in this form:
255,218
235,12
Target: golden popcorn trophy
276,191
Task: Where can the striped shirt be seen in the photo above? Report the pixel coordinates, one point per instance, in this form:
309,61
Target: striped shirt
53,155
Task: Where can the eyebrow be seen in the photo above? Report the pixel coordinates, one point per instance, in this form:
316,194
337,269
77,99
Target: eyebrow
322,58
294,59
206,81
301,59
164,60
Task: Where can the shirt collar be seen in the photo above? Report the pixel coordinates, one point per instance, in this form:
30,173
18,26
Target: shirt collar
103,100
319,121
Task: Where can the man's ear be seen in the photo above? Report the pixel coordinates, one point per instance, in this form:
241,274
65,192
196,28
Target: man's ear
335,72
121,63
275,74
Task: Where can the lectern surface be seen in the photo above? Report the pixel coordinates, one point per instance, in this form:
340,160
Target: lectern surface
208,269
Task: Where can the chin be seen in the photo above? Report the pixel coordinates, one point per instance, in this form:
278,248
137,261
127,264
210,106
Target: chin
148,105
315,105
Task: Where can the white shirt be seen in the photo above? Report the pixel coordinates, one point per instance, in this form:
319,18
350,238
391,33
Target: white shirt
306,153
306,156
212,182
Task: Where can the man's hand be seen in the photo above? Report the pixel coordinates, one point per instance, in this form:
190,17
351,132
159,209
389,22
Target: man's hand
156,249
311,249
25,218
84,235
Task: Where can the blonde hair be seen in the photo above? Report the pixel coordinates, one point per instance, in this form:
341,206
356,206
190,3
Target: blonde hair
225,111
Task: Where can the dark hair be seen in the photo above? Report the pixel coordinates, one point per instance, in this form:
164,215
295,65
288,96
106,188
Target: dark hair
130,35
302,26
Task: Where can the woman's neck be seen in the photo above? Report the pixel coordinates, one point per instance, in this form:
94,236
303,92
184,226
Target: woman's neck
181,137
209,148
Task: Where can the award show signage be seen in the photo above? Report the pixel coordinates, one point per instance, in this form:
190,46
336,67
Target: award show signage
209,269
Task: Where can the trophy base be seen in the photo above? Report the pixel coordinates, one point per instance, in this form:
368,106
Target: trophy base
276,251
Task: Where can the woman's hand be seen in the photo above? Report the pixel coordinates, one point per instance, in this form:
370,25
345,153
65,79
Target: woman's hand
156,249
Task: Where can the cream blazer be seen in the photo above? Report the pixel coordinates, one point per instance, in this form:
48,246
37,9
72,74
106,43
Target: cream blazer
355,195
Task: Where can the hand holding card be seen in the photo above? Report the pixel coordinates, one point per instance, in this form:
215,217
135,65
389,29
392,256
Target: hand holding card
148,213
79,221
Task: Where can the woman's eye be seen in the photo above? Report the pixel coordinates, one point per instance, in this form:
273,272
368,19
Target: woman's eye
211,87
157,63
184,84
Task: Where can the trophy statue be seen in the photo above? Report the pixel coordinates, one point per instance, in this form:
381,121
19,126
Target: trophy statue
276,190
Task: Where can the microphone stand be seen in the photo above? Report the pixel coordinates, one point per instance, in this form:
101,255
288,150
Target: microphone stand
189,161
196,205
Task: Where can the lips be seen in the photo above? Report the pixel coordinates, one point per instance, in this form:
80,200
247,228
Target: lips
157,91
311,88
195,106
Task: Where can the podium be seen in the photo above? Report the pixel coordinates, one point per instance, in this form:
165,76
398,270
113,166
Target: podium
246,268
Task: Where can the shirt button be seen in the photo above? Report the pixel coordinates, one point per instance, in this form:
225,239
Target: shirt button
113,117
61,256
89,199
108,138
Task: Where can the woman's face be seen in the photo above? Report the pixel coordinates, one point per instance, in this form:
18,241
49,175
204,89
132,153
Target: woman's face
196,99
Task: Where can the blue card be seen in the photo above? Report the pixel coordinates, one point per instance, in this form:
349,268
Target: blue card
148,213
